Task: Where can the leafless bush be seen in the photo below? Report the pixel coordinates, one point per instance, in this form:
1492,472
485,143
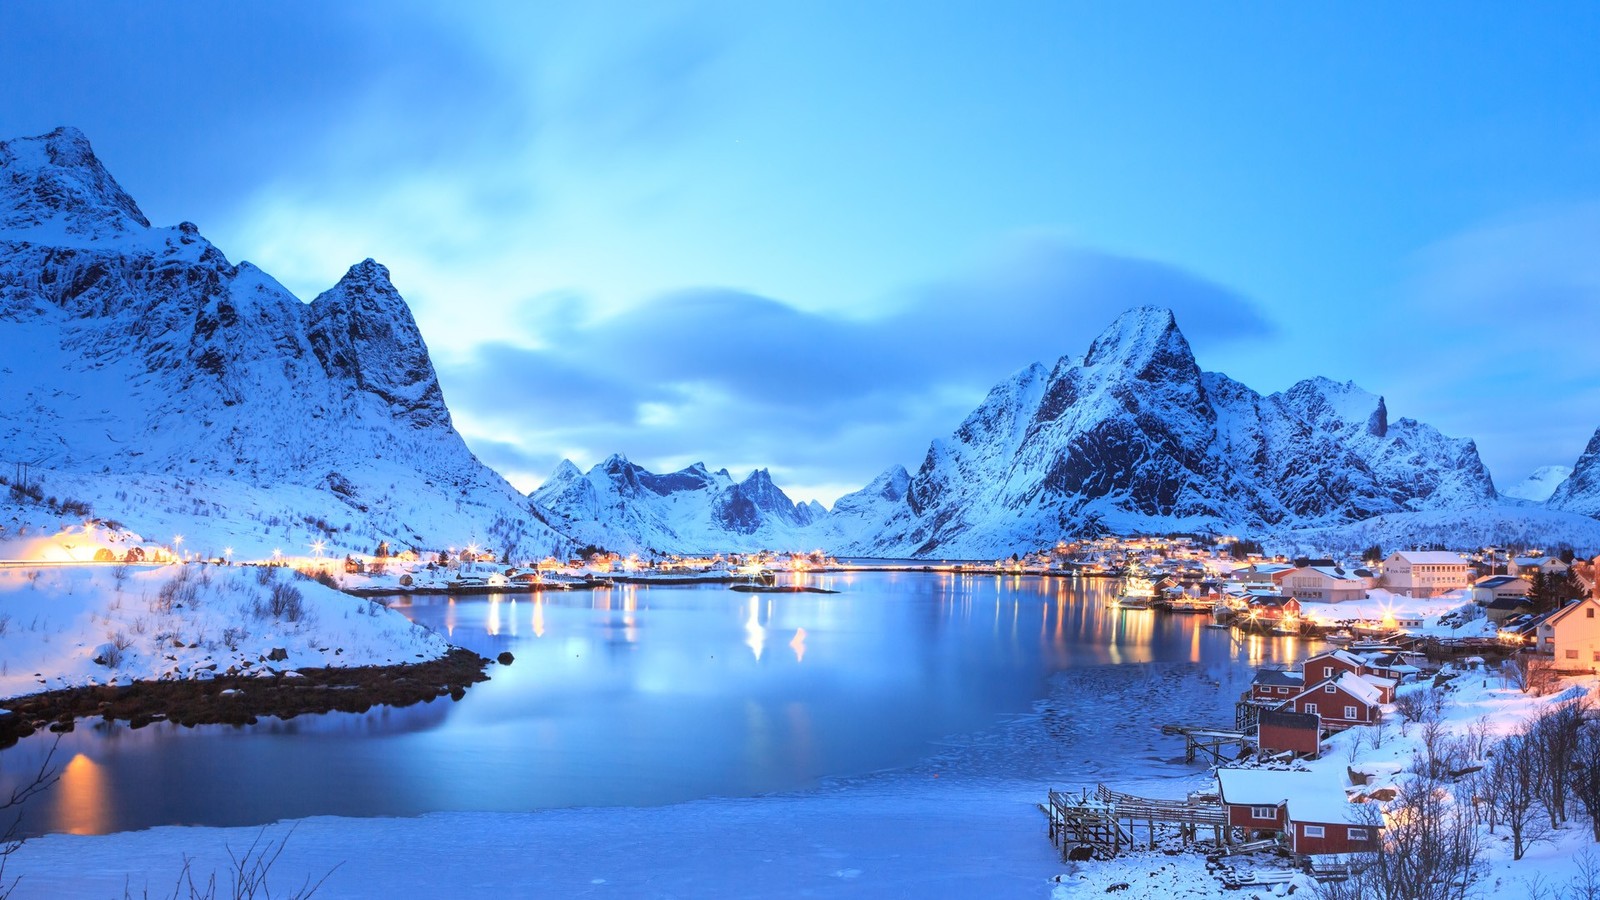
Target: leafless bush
232,635
182,590
1430,849
1514,793
119,574
11,840
247,877
265,575
284,602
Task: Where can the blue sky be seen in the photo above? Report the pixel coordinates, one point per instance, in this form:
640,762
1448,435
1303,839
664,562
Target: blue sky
810,236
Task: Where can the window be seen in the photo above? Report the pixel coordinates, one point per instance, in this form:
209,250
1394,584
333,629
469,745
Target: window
1357,834
1311,709
1350,712
1329,689
1283,690
1263,812
1313,831
1572,654
1327,671
1588,613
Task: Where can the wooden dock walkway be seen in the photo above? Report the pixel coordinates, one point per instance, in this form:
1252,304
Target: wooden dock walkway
1106,820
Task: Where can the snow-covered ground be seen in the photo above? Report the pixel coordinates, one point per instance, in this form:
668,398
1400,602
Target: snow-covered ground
1380,605
185,621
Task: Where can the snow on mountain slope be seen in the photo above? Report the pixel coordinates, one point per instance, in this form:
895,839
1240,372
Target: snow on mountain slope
1580,493
1539,486
623,507
1133,436
172,389
1458,529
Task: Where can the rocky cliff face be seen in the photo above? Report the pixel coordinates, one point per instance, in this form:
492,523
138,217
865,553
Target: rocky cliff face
143,351
1132,435
1580,492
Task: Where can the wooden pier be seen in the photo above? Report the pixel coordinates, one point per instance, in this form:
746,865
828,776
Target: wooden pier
1106,821
1210,741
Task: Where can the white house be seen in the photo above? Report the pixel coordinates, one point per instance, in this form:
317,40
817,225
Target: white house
1572,635
1323,584
1425,573
1499,587
1528,566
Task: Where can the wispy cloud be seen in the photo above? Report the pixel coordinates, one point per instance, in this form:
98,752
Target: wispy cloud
824,399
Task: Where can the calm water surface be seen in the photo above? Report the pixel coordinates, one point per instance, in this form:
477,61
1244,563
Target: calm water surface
640,696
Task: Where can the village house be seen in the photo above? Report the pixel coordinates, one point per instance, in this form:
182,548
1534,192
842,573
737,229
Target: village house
1323,584
1275,685
1526,567
1278,731
1425,573
1341,702
1259,573
1261,607
1572,636
1312,813
1499,587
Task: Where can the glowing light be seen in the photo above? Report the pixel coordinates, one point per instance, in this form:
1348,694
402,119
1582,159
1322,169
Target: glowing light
755,634
84,805
798,644
227,552
317,547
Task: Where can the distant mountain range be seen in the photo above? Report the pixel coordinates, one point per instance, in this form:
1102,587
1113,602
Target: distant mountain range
168,388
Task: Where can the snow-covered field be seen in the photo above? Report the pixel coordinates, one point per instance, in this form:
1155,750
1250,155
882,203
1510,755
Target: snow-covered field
185,621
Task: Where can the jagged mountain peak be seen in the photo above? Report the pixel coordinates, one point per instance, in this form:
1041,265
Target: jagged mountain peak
362,329
566,470
56,178
1144,342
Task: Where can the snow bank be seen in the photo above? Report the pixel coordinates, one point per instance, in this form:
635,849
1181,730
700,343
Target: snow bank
76,625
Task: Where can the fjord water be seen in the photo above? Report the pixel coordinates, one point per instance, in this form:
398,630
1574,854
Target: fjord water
638,696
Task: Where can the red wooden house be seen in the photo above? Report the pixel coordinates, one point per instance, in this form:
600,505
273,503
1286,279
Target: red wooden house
1275,685
1342,702
1278,731
1311,812
1332,664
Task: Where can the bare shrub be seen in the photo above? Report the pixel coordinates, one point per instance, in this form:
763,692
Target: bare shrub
1430,849
265,575
10,839
247,876
232,635
284,602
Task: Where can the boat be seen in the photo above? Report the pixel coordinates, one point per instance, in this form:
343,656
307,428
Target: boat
1138,591
1339,638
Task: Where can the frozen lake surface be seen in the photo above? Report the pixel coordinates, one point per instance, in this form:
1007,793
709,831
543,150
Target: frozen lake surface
647,696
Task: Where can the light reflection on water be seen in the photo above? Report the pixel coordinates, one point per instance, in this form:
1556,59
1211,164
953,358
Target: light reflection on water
642,695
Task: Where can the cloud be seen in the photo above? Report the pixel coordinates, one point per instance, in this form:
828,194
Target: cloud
1501,317
740,380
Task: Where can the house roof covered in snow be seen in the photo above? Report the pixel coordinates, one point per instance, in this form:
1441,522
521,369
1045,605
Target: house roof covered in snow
1431,557
1311,796
1278,677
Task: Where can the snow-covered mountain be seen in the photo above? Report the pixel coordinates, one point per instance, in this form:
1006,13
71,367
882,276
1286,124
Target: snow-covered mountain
1580,492
621,506
173,390
1133,436
1539,486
